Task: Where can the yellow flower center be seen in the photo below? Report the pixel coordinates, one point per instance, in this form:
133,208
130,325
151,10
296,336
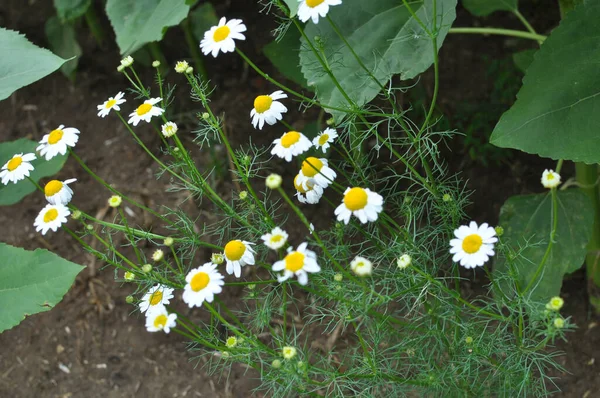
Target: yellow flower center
313,3
160,321
298,186
290,138
50,215
472,243
199,281
14,163
221,33
355,199
550,176
323,139
110,103
53,187
262,103
156,297
311,166
276,238
55,136
234,250
143,109
294,261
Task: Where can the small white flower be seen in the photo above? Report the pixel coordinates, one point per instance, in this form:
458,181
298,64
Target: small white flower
473,245
290,144
146,111
323,140
268,109
158,255
360,202
115,201
361,266
181,66
313,9
57,141
157,296
127,61
318,170
202,285
238,253
155,64
288,352
169,129
51,217
160,319
273,181
111,103
221,37
231,342
559,323
555,304
58,192
404,261
17,168
276,239
550,179
308,191
297,262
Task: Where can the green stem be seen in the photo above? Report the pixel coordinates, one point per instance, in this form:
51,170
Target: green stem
525,22
503,32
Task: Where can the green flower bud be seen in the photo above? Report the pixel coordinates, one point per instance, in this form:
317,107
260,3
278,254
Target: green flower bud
146,268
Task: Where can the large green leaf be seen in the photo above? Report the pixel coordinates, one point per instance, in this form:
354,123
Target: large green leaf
22,62
31,282
385,37
486,7
69,10
63,42
556,112
284,54
293,6
527,223
137,22
12,193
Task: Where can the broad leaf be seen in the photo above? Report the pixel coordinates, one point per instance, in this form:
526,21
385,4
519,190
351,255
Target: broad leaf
523,59
63,42
31,282
69,10
385,37
284,54
527,223
202,19
293,6
556,112
12,193
485,7
139,22
23,63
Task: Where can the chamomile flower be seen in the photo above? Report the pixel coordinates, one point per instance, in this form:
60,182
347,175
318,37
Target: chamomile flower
324,140
202,284
307,191
473,245
404,261
273,181
275,239
555,304
238,253
146,111
127,61
110,104
268,109
318,170
550,179
313,9
361,266
58,192
57,141
51,217
290,144
115,201
360,202
17,168
220,37
157,296
288,352
160,319
169,129
181,66
297,262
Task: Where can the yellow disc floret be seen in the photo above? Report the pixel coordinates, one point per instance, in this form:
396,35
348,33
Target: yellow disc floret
143,109
311,166
156,297
50,215
53,187
199,281
55,136
313,3
323,139
355,199
221,33
262,103
160,321
234,250
472,243
290,138
110,103
14,163
294,261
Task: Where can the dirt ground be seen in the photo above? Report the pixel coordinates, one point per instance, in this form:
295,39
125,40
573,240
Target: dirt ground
90,345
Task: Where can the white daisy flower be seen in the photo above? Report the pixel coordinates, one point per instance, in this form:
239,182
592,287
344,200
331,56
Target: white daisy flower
51,217
323,140
160,319
57,141
288,352
169,129
146,111
202,284
220,37
550,179
473,246
313,9
111,103
360,202
58,192
275,239
318,170
290,144
404,261
307,191
157,296
361,266
297,262
17,168
238,253
268,109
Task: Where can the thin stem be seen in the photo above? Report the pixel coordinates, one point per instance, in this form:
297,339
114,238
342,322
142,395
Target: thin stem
501,32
